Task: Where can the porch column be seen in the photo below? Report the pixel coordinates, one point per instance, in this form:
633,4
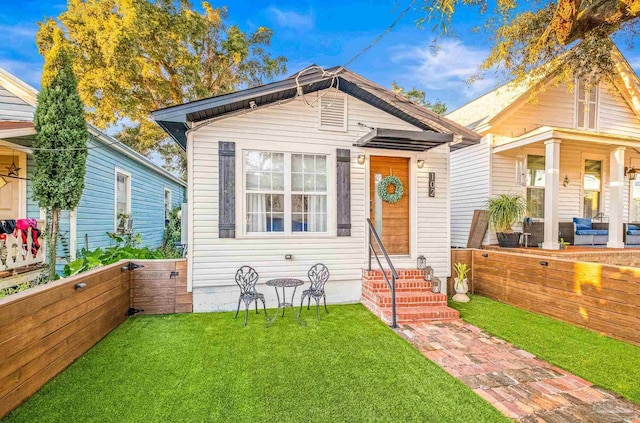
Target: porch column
616,198
551,188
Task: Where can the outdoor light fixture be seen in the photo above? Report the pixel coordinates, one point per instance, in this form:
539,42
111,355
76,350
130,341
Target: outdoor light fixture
631,173
361,159
422,263
565,183
420,164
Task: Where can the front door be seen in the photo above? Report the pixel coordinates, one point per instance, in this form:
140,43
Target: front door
391,220
9,191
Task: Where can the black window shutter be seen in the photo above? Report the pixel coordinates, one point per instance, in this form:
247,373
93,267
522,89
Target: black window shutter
227,189
344,191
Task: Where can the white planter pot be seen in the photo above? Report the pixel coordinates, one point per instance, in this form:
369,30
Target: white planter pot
461,290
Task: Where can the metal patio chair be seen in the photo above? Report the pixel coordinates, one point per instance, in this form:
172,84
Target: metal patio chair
318,275
246,278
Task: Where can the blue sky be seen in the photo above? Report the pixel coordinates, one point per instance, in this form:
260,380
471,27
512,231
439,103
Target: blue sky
327,32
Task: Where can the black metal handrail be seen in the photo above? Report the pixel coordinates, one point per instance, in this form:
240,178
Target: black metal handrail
373,235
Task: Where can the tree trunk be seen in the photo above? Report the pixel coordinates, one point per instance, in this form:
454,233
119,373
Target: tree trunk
52,241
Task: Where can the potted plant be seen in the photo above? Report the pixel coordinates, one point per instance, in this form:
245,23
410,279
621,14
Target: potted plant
461,283
504,211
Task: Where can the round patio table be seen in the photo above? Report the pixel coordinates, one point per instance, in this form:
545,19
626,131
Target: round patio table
282,303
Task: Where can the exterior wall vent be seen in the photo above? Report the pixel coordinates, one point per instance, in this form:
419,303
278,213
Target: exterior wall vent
333,112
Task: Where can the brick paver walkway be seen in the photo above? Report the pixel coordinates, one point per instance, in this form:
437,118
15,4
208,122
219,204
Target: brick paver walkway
517,383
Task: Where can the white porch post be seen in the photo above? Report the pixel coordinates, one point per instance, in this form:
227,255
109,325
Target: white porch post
616,198
551,188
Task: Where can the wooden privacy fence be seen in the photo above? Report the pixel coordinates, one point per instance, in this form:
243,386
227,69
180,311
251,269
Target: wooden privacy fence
600,297
44,329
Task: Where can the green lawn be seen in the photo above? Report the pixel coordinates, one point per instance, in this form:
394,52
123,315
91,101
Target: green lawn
208,368
604,361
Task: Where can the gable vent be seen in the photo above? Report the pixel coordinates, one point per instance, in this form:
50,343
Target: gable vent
333,112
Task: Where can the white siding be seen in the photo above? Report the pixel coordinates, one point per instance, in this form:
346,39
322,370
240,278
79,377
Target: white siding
470,170
14,108
293,127
615,115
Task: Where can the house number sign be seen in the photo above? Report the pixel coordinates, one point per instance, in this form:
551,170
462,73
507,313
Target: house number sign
432,184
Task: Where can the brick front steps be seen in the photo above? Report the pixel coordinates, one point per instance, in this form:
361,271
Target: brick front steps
414,300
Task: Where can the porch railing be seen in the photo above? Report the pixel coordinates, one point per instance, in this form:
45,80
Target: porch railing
18,248
391,283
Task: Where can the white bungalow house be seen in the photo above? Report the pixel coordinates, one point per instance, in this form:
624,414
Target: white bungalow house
567,153
282,177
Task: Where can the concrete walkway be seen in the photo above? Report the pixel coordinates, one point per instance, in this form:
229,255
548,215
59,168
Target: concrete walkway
517,383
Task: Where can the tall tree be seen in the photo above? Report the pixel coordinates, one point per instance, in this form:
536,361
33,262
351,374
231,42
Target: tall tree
569,37
60,149
419,97
135,56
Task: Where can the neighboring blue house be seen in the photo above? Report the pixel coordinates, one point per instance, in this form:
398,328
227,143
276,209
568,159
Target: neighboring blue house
118,181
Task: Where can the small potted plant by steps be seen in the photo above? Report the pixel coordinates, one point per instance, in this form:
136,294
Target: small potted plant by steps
504,211
461,283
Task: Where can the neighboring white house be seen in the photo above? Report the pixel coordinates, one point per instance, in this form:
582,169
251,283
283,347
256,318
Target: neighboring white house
280,181
567,153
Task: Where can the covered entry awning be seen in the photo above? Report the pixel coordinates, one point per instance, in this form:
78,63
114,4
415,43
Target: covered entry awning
398,139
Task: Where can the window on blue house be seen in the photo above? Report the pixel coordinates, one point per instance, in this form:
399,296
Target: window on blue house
167,205
123,201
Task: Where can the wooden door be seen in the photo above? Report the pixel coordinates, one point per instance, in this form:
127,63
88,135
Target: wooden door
395,216
10,193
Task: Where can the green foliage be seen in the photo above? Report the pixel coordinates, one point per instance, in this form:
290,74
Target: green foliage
206,367
419,97
60,148
135,56
505,210
172,235
570,37
23,286
603,361
462,270
125,248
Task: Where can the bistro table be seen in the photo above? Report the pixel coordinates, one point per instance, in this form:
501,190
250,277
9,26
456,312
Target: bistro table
282,303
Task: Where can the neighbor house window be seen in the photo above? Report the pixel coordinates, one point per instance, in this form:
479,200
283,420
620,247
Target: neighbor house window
123,199
285,193
586,104
167,205
592,186
634,212
535,186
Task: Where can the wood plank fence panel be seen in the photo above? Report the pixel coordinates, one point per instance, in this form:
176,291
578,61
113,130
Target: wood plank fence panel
45,329
160,287
599,297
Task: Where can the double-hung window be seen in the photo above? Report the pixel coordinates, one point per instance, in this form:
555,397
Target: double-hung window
285,193
535,186
586,104
123,199
592,185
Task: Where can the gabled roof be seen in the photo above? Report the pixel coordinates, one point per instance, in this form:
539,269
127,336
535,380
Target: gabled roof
29,95
487,108
177,120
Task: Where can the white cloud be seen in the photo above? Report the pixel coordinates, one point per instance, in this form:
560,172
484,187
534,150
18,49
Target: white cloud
291,19
445,70
29,72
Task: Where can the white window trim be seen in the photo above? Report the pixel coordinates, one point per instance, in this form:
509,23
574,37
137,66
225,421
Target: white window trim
117,171
604,177
328,97
241,212
164,199
596,108
527,186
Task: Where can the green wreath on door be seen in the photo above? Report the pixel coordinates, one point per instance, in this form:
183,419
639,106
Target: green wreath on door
383,187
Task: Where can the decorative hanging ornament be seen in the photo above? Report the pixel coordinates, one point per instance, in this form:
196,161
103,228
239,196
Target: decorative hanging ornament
13,170
383,185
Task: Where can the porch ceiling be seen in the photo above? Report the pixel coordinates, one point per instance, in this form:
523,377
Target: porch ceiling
396,139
